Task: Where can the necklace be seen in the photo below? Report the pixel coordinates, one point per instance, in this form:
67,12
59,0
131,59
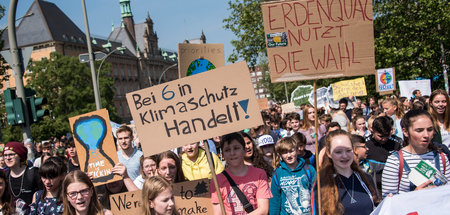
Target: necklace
352,200
21,184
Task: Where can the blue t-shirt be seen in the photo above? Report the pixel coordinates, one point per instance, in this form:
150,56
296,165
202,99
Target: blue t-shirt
132,163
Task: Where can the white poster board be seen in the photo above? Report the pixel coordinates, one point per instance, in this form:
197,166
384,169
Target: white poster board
407,87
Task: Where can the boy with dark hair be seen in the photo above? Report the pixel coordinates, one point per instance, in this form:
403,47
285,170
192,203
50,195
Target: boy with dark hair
381,143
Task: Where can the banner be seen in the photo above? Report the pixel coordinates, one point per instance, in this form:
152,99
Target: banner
263,104
95,145
407,87
427,201
318,39
128,203
194,108
193,197
355,87
301,94
198,58
385,80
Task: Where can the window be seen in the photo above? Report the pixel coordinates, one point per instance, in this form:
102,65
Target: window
259,73
259,79
115,70
267,95
135,71
129,70
261,90
118,89
122,72
120,109
125,89
256,91
262,96
254,85
253,79
252,74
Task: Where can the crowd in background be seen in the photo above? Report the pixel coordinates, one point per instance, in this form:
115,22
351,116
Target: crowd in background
364,154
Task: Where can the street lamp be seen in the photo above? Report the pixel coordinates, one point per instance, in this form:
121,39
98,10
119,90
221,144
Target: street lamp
121,49
164,72
26,15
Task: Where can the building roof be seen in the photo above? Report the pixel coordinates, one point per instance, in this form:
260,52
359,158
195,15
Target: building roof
122,35
48,23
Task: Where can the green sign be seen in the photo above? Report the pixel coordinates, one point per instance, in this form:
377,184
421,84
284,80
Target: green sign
301,94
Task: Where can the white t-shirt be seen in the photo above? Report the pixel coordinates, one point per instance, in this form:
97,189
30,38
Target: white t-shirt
445,135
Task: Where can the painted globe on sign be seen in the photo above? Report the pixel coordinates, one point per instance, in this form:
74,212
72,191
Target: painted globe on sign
199,66
386,78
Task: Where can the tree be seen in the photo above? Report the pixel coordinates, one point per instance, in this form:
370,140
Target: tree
407,37
67,85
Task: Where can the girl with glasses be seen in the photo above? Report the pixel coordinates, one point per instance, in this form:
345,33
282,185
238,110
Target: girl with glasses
79,196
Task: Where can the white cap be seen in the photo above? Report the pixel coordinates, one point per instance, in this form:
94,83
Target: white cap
265,140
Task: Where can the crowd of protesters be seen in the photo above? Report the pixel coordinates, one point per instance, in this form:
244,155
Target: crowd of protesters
364,155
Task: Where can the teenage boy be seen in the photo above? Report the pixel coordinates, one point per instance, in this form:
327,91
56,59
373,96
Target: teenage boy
195,164
46,148
128,155
381,143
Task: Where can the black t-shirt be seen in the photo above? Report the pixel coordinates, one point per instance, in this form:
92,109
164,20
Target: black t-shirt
349,188
26,185
71,167
380,152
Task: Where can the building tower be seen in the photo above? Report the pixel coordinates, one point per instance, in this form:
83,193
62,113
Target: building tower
127,17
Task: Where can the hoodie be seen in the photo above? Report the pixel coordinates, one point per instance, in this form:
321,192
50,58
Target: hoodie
291,189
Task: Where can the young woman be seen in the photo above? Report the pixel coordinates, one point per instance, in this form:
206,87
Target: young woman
418,130
292,182
344,188
157,197
253,156
308,128
49,200
359,126
148,169
6,203
169,167
440,111
390,107
79,196
251,181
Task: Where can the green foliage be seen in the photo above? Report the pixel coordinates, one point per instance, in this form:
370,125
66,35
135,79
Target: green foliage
67,85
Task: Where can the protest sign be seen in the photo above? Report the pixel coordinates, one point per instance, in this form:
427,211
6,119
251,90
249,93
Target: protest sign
425,201
193,108
114,127
288,108
318,39
128,203
385,79
301,94
193,197
322,97
407,87
198,58
95,145
263,104
354,87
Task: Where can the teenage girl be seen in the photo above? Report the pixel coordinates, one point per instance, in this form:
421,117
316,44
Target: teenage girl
157,197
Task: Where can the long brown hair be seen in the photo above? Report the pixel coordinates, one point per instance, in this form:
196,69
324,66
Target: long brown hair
78,176
171,155
257,158
6,200
331,204
433,112
306,123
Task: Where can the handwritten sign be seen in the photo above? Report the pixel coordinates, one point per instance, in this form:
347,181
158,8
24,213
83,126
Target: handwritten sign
317,39
263,104
128,203
408,87
198,58
301,94
288,108
355,87
385,80
193,108
95,145
193,197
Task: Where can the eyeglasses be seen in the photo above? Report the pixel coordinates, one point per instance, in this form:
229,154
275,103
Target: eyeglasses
9,155
83,192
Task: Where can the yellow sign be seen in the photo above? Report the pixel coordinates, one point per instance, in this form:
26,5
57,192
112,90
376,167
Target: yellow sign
355,87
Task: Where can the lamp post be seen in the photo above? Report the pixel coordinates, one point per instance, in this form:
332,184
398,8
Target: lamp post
121,49
26,15
164,72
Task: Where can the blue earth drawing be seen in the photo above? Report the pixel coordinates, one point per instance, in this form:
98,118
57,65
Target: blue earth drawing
199,66
91,132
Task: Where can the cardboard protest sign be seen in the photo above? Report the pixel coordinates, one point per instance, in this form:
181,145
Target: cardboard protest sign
95,145
193,197
193,108
354,87
288,108
301,94
318,39
385,79
128,203
198,58
407,87
263,104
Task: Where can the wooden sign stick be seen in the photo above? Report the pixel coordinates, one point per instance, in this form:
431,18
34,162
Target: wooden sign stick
214,177
317,148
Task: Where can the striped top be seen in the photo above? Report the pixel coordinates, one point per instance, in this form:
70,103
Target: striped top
389,183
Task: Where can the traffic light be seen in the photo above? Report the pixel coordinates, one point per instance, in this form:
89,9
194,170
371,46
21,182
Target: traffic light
14,108
35,104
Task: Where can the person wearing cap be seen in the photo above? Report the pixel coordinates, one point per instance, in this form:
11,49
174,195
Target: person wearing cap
24,180
267,146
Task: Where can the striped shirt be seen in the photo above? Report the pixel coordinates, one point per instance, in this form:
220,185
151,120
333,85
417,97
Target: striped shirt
389,181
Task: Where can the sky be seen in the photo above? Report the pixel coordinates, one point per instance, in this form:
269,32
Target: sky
174,20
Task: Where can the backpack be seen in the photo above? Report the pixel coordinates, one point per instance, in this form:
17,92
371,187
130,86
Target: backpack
404,165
